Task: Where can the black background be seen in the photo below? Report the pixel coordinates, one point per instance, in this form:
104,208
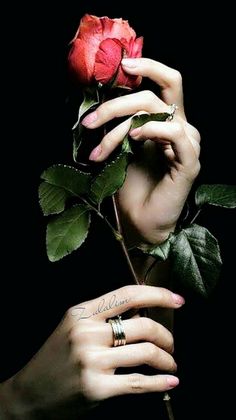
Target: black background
34,292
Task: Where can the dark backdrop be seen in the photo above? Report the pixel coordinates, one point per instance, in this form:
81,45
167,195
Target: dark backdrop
34,292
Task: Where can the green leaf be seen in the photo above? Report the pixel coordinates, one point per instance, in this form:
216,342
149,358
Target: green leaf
196,260
160,252
139,120
91,98
67,232
52,199
110,179
70,179
216,195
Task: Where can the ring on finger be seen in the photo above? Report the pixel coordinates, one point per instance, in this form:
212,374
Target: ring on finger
119,337
173,108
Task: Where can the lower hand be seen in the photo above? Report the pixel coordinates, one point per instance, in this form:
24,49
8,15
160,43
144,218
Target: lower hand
78,362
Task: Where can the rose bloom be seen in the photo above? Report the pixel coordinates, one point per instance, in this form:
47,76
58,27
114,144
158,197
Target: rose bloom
98,48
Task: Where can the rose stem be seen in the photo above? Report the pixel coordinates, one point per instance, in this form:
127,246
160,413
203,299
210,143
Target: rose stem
196,215
119,228
167,402
166,398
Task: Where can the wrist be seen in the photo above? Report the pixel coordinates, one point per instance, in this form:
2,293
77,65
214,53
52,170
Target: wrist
13,405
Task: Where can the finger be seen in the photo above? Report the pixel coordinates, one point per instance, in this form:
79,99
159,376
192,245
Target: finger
140,354
123,299
138,384
139,329
136,330
110,141
125,105
115,137
169,80
174,133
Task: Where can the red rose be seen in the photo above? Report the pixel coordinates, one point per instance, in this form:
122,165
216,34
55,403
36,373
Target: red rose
98,48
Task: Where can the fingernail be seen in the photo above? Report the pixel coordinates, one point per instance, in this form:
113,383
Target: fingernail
95,152
172,381
179,300
135,131
129,62
89,119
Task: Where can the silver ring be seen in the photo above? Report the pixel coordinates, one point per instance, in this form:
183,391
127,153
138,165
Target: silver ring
119,337
173,108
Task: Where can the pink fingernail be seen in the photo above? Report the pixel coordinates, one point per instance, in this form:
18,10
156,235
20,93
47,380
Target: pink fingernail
95,152
89,119
172,381
129,62
179,300
135,131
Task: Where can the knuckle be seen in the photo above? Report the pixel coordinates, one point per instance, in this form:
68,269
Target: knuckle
170,343
105,110
172,365
165,296
129,291
71,315
192,132
150,351
178,129
136,383
196,134
80,335
72,336
147,325
90,387
175,77
86,359
149,96
196,169
107,141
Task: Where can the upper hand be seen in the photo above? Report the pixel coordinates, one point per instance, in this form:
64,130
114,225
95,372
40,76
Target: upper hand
158,182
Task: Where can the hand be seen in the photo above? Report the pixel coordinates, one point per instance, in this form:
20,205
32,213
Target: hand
158,182
78,361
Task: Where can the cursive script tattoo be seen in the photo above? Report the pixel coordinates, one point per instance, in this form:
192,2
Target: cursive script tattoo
103,306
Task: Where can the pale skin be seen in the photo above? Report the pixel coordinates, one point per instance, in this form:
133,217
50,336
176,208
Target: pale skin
78,362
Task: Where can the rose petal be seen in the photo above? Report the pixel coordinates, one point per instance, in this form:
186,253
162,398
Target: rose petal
126,80
107,60
136,48
90,26
98,47
81,64
117,28
132,49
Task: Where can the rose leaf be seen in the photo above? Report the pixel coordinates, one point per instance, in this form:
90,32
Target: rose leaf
217,195
70,179
160,252
139,120
112,177
196,260
91,99
67,232
52,199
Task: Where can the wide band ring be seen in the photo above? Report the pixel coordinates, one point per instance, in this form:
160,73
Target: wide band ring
119,337
173,108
